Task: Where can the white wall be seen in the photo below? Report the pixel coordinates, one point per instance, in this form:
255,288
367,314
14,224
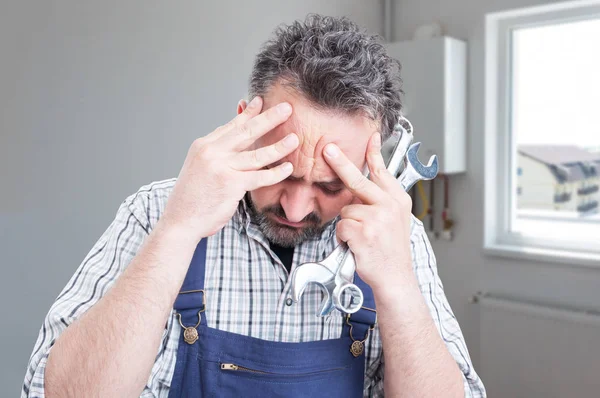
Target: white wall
96,99
461,262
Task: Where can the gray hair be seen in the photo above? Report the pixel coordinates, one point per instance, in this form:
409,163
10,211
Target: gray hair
335,65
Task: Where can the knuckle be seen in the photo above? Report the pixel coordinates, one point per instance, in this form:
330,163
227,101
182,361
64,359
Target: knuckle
380,172
357,184
245,131
394,206
198,146
342,229
226,178
343,213
264,178
273,117
369,233
279,149
404,201
227,126
271,114
274,175
255,158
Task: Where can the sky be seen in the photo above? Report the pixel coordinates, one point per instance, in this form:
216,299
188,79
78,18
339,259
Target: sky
556,84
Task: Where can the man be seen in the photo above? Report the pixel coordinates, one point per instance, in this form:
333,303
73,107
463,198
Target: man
187,292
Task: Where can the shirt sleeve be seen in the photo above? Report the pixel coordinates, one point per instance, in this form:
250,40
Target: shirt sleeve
425,267
108,258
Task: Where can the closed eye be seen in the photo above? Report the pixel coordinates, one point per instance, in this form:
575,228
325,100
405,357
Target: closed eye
330,191
331,188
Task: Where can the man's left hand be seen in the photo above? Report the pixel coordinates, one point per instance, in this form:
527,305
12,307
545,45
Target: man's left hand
376,226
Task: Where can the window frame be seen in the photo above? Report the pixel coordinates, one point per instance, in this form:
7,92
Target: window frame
500,146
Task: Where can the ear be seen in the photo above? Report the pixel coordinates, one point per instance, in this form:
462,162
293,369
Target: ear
241,106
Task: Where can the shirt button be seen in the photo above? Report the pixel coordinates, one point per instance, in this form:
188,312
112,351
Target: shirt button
288,302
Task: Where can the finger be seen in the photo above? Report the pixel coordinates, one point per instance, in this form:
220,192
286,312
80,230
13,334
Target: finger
378,172
353,179
245,134
347,230
261,157
357,212
374,159
252,109
263,178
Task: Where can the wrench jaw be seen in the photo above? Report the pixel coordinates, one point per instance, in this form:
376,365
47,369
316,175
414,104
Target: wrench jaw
309,273
425,172
318,274
327,304
415,170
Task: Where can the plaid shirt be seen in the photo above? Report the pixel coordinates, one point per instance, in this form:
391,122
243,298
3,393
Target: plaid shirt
246,289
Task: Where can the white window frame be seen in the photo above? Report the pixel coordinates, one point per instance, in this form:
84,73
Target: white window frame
499,145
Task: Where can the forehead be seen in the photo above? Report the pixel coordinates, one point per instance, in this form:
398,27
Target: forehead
315,129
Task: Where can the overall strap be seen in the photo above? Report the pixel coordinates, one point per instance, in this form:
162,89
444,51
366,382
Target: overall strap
192,297
361,323
189,308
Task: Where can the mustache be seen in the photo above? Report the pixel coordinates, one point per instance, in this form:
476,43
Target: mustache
311,218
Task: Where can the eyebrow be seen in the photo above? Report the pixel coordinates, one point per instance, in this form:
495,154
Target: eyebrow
335,182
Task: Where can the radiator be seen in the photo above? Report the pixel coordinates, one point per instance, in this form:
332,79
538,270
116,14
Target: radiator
533,350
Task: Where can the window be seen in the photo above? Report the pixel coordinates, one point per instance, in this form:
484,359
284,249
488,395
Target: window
542,132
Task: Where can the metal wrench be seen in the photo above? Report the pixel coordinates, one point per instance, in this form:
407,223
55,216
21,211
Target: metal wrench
335,273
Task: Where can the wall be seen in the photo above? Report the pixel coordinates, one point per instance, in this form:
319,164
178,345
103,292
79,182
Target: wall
462,263
97,99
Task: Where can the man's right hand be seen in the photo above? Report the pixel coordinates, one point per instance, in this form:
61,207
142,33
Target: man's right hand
88,358
219,170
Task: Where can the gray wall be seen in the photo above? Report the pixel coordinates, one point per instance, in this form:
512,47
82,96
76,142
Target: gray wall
97,99
462,264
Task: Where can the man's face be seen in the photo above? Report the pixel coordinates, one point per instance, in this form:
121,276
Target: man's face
301,206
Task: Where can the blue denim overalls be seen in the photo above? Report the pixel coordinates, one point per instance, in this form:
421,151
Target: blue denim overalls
212,362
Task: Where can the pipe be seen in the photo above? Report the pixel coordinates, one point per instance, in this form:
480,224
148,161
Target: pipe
387,20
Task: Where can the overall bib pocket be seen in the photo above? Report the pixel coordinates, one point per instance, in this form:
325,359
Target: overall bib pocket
251,380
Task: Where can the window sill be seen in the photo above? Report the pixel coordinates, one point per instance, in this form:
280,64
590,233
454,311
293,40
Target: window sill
538,254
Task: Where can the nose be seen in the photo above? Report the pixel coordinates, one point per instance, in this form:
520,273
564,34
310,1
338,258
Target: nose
297,201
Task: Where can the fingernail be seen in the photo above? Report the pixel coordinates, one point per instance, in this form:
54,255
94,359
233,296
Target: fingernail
287,167
291,140
284,108
331,150
253,103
